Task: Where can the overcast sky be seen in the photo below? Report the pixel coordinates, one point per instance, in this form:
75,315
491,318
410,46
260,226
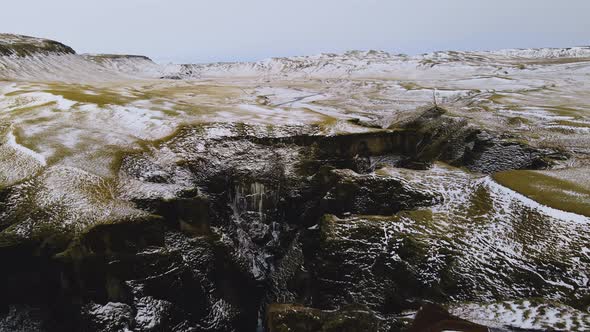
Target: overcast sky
227,30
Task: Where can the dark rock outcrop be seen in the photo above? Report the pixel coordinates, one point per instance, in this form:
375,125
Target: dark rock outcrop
459,143
248,222
434,318
371,194
286,317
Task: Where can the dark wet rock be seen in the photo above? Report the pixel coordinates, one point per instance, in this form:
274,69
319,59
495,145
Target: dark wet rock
372,194
178,284
190,214
392,264
29,283
290,282
434,318
255,194
459,143
163,278
296,318
256,188
153,314
487,153
19,318
355,260
112,316
182,282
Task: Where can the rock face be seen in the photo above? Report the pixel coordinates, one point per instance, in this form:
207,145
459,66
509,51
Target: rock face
239,223
457,142
297,318
433,318
371,194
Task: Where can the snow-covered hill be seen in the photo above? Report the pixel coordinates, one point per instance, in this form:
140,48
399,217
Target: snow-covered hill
30,58
26,58
377,64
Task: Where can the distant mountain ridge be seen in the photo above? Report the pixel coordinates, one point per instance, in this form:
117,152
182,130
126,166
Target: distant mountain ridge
24,57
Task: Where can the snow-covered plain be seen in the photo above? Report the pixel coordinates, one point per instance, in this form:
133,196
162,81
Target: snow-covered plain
80,110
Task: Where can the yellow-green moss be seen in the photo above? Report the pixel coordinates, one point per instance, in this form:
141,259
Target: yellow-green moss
517,121
100,97
548,190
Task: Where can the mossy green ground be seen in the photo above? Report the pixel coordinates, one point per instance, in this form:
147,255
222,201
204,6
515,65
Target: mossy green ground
549,190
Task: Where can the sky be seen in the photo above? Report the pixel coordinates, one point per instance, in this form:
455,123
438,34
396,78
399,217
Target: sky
184,31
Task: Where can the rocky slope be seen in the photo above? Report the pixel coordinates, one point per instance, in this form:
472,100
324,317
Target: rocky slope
356,192
22,46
